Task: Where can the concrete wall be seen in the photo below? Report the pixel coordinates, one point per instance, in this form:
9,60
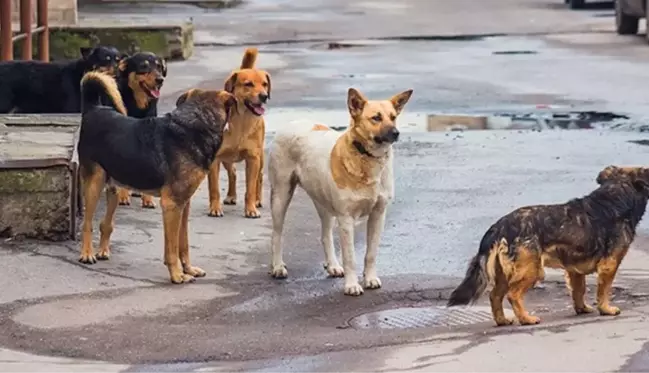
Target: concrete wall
61,12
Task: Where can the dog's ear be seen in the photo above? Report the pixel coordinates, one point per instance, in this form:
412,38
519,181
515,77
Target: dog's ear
268,81
606,174
230,82
85,52
355,102
229,101
163,67
123,64
400,100
181,100
641,185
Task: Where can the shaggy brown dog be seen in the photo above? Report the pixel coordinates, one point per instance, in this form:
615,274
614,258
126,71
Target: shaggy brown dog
583,236
167,157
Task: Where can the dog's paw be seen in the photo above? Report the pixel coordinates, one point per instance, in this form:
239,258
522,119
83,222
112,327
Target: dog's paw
182,278
353,289
252,213
124,201
230,200
504,321
103,254
279,271
609,311
216,212
334,270
584,310
88,258
371,282
529,320
147,202
194,271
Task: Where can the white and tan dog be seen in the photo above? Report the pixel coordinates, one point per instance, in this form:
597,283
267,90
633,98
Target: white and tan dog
348,176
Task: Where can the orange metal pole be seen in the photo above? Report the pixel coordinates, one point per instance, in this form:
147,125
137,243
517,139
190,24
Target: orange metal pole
6,45
26,28
44,37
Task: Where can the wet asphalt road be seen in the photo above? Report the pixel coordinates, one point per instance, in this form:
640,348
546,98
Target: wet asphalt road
449,186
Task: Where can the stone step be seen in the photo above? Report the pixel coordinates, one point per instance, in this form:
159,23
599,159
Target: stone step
38,176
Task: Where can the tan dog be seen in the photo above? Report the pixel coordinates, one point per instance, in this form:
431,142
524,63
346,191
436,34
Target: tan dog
348,176
244,141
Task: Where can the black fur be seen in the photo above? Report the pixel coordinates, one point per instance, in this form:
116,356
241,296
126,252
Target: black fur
50,87
582,229
146,154
141,63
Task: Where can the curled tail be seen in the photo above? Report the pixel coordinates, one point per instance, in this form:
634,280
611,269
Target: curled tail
480,272
99,88
249,58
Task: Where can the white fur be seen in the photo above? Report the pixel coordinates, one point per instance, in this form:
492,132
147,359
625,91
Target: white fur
302,157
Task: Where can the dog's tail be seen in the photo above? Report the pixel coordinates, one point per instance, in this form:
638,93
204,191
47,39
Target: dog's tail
99,88
249,58
481,270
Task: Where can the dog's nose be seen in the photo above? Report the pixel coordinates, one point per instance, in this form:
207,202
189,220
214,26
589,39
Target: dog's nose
263,98
159,81
393,134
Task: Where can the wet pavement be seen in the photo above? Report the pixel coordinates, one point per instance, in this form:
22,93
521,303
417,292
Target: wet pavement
450,186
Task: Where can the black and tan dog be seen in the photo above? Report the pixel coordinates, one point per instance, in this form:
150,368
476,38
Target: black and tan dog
140,79
51,87
167,156
586,235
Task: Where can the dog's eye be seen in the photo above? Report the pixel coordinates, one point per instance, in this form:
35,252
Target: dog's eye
264,84
377,118
108,58
250,84
393,117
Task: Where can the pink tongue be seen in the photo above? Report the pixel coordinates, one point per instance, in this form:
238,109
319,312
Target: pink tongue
155,93
259,110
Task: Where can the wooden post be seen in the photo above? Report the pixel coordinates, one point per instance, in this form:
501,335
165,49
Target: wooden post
26,28
44,37
6,44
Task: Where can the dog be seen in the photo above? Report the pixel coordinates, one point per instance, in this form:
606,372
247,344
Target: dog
139,80
51,87
586,235
348,176
166,156
244,140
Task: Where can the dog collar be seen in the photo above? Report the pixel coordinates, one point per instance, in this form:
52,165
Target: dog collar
361,149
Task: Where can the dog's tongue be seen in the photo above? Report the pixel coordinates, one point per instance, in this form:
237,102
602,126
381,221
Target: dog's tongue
259,110
155,93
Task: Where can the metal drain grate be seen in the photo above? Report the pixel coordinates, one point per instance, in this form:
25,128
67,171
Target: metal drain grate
403,318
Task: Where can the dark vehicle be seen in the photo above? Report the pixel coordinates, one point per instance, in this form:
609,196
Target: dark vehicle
628,14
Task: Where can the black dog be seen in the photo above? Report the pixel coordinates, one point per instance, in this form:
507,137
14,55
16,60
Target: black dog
166,156
586,235
139,80
51,87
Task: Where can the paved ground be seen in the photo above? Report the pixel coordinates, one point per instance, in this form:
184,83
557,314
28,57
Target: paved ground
122,315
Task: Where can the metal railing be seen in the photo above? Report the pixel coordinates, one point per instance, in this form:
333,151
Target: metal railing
26,33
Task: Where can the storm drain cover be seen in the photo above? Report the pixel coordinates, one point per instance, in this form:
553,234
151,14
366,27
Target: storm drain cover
403,318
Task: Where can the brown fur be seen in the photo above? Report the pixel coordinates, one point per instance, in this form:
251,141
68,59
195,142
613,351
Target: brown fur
244,141
370,119
586,235
181,182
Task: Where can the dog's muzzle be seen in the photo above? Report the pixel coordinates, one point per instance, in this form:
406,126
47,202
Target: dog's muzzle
388,135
